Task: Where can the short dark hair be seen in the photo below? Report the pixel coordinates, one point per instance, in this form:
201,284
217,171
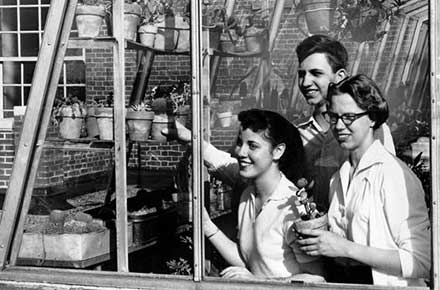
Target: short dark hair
335,52
366,94
277,130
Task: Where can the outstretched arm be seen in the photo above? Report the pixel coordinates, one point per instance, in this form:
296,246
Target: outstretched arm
219,163
225,246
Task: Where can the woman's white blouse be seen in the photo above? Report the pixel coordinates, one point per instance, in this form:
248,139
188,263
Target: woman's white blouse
383,206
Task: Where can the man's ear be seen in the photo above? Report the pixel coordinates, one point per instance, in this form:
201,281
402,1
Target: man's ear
278,151
340,75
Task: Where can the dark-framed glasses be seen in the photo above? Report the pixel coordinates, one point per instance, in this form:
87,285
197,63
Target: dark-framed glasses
347,118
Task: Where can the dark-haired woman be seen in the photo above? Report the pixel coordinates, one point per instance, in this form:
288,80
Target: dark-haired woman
268,149
379,225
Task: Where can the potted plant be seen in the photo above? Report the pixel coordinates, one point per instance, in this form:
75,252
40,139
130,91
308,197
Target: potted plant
363,19
173,28
310,217
152,14
139,118
132,16
104,117
256,33
224,114
163,108
89,16
318,14
69,113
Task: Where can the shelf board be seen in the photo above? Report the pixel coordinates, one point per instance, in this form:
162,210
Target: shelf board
216,52
138,46
86,42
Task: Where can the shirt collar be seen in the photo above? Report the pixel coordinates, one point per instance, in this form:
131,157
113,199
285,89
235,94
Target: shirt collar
284,190
374,154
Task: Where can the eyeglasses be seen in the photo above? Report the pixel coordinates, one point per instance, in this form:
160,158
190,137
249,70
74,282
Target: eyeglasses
347,118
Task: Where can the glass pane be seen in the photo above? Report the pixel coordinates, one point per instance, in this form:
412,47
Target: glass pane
29,44
75,72
44,11
29,68
9,44
28,2
11,97
27,90
31,16
11,73
8,2
8,19
79,92
45,1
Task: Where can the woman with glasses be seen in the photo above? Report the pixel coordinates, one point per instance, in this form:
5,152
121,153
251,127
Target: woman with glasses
378,220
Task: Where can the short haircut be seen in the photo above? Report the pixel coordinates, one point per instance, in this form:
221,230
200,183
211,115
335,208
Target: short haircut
335,52
277,130
366,94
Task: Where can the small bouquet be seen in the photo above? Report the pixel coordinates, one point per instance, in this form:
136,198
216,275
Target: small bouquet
309,215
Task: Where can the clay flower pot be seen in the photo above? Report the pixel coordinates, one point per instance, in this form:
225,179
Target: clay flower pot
89,19
104,117
320,223
139,124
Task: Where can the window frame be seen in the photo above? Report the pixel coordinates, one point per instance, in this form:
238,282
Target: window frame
14,276
21,60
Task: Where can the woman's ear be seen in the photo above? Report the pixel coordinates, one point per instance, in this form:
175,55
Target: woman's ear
278,151
340,75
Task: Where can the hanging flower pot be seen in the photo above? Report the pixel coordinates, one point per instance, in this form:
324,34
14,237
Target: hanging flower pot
132,15
147,34
139,124
89,19
256,39
318,15
104,118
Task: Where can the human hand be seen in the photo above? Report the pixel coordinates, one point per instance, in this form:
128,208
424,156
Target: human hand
236,272
180,132
323,243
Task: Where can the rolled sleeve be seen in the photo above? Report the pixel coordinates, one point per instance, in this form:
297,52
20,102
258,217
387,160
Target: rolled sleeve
221,164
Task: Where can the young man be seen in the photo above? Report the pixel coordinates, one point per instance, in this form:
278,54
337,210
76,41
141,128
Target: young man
323,60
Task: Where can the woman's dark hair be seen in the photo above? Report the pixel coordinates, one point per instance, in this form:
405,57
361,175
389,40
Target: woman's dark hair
277,130
335,52
366,94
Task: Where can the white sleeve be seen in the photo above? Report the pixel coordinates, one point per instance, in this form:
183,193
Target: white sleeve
221,164
407,216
